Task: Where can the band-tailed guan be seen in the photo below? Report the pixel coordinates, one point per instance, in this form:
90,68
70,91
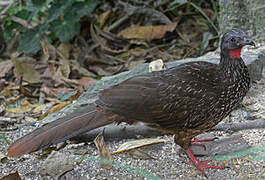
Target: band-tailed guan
185,100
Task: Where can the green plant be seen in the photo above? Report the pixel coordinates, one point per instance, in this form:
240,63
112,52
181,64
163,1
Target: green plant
56,18
4,139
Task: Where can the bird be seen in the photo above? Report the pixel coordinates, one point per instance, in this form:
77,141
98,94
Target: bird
185,100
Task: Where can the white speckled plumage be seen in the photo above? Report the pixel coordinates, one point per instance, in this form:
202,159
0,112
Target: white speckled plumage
187,99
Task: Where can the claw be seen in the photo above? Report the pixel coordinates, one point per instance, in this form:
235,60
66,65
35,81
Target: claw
203,164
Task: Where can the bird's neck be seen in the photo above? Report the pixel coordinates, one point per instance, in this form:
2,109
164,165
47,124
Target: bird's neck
235,53
235,78
232,64
231,59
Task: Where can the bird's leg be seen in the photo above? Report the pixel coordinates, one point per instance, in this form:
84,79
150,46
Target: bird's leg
201,165
195,140
198,142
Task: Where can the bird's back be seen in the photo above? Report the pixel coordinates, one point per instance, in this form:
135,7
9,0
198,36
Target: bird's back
181,97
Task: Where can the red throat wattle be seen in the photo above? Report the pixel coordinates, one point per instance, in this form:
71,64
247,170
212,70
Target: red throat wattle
235,53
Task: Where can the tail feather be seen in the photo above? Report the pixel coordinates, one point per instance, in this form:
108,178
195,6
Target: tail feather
58,131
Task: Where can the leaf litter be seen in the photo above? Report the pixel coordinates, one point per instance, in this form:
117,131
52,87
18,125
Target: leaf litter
120,39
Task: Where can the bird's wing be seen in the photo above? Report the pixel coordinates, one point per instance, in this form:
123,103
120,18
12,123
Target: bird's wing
133,97
166,98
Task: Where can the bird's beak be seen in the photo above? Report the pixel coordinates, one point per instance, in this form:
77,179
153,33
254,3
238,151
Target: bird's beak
247,41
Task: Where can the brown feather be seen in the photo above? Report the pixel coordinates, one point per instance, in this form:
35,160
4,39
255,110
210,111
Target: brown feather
58,131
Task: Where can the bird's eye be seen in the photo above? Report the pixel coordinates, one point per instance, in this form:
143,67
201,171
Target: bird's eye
232,40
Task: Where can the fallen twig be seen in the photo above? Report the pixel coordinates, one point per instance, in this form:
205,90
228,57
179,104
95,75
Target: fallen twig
255,124
127,131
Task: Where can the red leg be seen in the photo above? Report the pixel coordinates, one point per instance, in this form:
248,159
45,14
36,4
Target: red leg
198,142
203,164
195,140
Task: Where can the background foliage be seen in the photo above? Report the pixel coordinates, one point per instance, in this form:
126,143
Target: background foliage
56,19
61,19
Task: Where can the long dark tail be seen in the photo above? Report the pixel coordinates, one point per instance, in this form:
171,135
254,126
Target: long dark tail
58,131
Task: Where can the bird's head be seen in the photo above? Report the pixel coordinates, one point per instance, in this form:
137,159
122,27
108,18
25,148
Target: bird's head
233,41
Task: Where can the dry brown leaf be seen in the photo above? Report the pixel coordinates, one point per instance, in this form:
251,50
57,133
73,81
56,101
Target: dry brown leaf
53,92
5,67
57,164
40,107
74,96
96,38
13,99
106,70
139,154
86,81
26,71
135,53
56,108
48,51
30,119
54,100
64,68
80,71
22,108
138,143
11,176
132,64
147,32
64,49
45,51
103,150
53,77
8,92
72,82
109,42
17,87
101,20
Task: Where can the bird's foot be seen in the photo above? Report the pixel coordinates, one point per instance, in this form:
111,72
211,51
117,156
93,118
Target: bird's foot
201,165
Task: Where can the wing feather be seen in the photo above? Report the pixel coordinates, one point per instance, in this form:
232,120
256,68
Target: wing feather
166,98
